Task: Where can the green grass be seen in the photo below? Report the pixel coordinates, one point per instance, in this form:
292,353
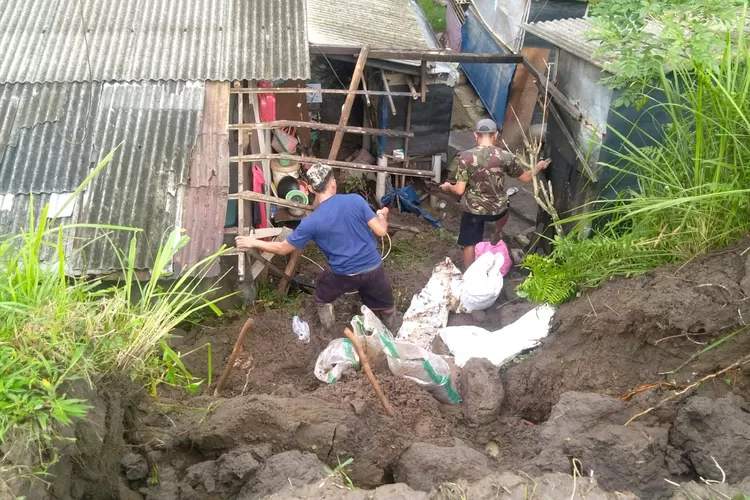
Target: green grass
693,188
435,14
57,331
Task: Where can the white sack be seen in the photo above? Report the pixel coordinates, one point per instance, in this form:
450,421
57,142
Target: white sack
466,342
483,282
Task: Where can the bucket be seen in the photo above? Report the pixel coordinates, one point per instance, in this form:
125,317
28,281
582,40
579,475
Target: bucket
299,197
283,168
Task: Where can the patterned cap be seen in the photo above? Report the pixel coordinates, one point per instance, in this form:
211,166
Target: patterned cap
486,126
317,174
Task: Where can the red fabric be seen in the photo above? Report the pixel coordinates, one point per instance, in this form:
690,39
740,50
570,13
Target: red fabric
267,103
258,188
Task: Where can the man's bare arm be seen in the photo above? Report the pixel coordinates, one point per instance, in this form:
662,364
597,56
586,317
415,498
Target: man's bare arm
379,224
275,247
527,176
458,188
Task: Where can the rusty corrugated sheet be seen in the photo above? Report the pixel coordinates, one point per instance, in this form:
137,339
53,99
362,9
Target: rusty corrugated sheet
570,35
523,99
205,206
130,40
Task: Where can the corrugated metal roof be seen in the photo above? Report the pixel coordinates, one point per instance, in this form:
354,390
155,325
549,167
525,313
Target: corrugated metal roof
570,35
380,23
132,40
45,136
157,125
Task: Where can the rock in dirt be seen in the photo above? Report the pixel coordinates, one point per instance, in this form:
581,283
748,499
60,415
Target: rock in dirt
588,427
331,491
235,467
202,474
423,465
707,428
281,472
481,387
134,466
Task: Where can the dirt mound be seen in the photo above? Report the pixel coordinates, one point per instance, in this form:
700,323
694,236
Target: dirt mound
629,331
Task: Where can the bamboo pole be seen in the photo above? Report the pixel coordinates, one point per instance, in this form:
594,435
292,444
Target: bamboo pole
321,126
282,90
337,163
354,85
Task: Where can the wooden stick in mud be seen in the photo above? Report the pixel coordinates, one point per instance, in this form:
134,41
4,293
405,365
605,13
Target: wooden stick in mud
368,371
233,357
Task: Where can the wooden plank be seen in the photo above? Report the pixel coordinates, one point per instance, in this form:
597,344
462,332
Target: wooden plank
414,93
322,126
387,88
258,266
421,55
290,269
336,163
406,141
265,148
423,81
346,111
280,90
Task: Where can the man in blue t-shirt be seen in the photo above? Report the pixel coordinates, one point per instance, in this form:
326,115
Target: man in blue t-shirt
344,227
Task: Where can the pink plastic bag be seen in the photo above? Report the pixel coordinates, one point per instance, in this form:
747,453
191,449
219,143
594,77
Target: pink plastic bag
501,247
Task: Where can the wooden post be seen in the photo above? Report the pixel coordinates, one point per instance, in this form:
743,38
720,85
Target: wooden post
423,81
388,89
240,181
290,269
406,140
354,85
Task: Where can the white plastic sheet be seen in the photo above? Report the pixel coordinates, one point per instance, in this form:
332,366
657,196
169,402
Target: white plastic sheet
466,342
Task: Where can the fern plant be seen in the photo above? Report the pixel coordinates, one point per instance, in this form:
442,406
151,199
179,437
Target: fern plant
548,282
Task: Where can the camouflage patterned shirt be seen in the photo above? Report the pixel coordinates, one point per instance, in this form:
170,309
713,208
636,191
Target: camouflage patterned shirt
483,169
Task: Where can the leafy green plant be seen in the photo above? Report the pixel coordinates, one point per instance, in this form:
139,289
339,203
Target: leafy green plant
435,14
57,330
341,472
692,190
548,281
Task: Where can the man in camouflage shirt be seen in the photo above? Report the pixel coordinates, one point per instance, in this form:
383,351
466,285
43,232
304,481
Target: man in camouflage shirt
480,176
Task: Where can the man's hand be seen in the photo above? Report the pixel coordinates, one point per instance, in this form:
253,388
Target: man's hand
543,164
244,242
384,212
446,186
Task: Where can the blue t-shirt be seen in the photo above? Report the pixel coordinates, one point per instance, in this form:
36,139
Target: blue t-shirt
339,227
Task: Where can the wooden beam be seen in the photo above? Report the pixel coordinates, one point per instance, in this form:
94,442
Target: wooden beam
290,269
414,93
387,88
282,90
421,55
362,167
364,87
423,81
240,180
322,126
346,111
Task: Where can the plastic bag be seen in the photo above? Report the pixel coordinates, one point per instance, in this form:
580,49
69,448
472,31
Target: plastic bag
501,248
428,370
429,309
301,329
339,357
466,342
483,283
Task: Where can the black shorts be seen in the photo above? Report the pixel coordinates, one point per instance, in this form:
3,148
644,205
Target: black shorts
472,227
373,287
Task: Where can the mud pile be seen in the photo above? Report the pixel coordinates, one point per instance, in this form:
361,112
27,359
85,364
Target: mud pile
557,413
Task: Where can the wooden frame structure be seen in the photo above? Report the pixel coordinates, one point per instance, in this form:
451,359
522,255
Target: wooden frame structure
258,133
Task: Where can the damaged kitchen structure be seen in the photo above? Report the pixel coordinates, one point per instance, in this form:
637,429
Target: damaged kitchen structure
214,109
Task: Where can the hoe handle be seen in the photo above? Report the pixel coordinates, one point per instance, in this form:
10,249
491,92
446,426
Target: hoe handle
368,371
233,357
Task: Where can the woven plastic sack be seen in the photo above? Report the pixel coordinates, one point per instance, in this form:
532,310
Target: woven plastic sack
483,282
284,141
431,372
339,357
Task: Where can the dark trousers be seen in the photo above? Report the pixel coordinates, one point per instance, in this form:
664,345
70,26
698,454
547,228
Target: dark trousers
373,287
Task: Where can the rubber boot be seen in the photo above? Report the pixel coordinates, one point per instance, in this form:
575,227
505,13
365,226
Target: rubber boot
325,314
392,320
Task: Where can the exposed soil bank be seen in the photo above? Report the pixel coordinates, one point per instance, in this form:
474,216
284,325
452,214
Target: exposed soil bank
279,426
